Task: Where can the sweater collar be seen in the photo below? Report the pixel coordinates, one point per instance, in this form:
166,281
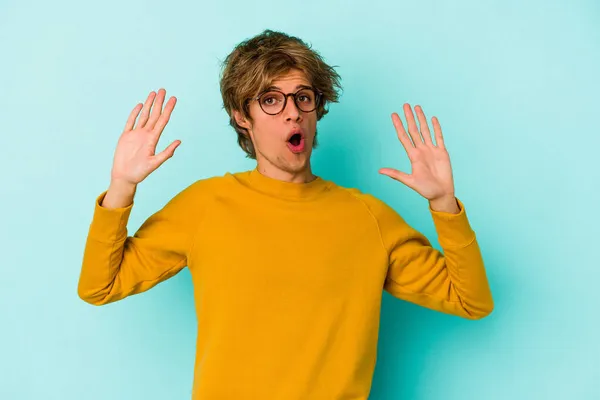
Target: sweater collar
287,190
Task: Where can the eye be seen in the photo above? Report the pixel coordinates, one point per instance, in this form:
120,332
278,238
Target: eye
271,98
269,101
305,96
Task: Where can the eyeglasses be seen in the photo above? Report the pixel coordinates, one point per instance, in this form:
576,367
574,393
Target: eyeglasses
273,102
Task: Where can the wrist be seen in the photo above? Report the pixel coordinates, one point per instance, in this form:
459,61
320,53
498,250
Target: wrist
120,194
120,185
446,203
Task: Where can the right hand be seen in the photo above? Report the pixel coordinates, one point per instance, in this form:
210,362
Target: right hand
135,157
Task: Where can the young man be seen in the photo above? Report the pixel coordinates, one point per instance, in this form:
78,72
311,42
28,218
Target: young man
288,268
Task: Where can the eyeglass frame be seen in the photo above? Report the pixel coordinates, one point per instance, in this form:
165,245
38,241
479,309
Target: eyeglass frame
285,97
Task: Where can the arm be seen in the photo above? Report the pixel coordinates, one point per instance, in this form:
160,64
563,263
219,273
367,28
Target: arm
453,281
116,265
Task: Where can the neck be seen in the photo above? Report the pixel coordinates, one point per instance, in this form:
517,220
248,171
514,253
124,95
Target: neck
285,190
303,175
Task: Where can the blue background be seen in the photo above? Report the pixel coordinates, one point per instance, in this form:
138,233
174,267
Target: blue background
515,88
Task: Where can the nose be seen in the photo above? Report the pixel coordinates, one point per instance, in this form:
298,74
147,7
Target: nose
291,111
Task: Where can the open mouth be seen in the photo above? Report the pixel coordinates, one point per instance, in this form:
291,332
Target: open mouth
296,143
295,139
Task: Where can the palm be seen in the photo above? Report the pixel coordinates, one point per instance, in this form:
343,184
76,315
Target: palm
135,156
431,174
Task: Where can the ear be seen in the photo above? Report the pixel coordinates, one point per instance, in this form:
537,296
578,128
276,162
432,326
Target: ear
241,120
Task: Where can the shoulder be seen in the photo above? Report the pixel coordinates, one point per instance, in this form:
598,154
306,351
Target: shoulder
388,219
199,193
392,227
208,185
371,203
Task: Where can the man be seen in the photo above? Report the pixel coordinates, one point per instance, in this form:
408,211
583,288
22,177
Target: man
288,268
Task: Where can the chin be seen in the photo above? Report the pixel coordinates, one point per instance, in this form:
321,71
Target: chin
298,165
294,166
288,161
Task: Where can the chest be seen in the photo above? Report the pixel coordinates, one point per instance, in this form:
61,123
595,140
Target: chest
301,253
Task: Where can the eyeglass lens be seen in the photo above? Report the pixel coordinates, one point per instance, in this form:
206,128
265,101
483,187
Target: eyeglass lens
272,102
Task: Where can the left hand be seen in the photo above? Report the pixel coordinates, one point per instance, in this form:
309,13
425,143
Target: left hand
431,175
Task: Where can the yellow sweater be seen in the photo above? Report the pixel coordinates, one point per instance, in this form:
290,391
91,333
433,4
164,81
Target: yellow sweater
287,278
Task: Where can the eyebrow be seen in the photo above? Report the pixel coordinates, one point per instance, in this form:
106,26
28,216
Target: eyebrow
297,87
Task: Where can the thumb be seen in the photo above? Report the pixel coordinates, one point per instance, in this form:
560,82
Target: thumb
397,175
167,153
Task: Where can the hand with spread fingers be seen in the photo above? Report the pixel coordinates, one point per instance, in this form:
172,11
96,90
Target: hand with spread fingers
135,156
431,175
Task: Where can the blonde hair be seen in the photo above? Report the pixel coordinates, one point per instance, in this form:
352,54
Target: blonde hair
256,62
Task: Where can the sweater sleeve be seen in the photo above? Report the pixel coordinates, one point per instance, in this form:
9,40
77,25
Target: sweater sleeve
116,265
452,281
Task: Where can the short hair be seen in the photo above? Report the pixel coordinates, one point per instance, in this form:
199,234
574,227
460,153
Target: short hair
255,63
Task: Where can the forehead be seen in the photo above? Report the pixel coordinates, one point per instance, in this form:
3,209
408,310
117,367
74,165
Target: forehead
290,80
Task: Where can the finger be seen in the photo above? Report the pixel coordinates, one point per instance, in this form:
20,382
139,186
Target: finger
397,175
146,110
412,126
437,129
165,116
132,116
423,125
402,136
157,108
167,153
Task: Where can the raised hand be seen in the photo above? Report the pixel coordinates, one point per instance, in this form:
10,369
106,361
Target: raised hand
135,157
431,175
